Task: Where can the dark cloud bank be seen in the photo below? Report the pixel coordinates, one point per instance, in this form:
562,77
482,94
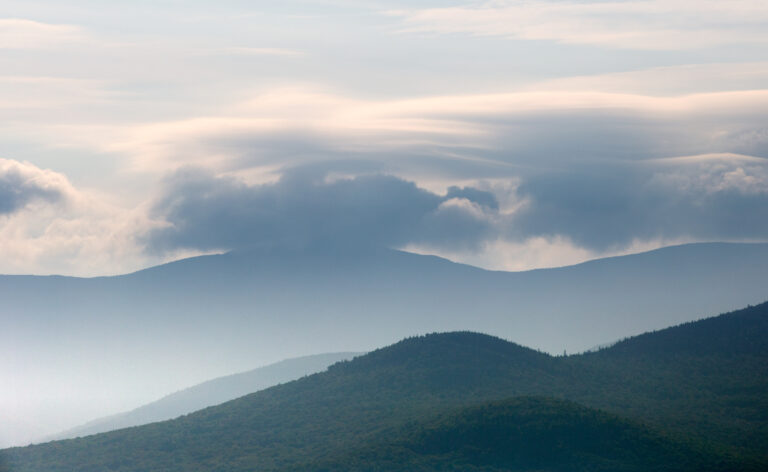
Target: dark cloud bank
304,208
596,207
612,206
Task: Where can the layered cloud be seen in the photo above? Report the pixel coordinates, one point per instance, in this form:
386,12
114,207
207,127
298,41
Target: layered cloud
634,24
462,136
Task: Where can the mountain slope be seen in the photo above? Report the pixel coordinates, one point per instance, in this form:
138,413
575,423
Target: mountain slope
736,334
351,403
707,377
211,393
526,434
364,402
127,332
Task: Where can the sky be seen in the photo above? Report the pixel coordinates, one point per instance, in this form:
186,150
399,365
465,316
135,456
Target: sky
505,134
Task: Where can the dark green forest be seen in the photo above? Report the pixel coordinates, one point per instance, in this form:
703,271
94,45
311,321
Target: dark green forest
527,433
691,397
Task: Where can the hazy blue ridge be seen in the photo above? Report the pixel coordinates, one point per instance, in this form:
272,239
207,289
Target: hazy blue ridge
261,304
211,393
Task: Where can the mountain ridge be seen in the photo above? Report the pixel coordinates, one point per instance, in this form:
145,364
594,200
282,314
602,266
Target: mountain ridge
259,307
364,401
337,252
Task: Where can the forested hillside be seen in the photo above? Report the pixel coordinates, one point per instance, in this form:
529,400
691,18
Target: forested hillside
706,378
680,393
527,434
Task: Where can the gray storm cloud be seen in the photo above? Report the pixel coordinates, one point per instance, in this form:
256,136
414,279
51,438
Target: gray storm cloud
305,208
599,207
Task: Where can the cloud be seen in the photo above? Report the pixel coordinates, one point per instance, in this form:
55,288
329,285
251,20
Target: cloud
592,209
48,226
518,255
305,208
23,184
19,33
598,172
609,207
478,197
638,24
462,136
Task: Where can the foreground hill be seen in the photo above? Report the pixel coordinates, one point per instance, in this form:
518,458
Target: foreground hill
211,393
707,378
527,434
127,332
701,403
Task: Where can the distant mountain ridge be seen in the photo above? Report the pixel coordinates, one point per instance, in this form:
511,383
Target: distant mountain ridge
210,393
723,275
420,404
205,316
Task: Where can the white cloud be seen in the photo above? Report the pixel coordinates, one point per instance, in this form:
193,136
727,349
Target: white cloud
53,227
637,24
538,252
532,253
19,33
709,157
89,238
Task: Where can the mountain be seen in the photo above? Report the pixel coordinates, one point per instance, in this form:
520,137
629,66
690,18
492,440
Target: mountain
211,393
706,378
526,434
694,405
114,340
